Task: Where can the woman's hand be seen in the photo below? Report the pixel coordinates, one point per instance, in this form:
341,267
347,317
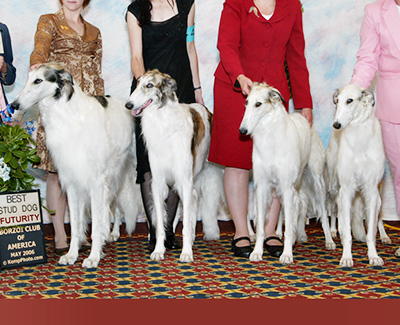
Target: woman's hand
245,84
307,113
199,96
34,67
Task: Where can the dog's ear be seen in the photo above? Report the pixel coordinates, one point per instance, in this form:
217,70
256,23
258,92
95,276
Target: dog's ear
64,81
335,96
367,98
66,77
168,87
275,96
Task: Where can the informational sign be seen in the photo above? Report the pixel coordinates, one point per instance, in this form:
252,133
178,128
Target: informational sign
21,230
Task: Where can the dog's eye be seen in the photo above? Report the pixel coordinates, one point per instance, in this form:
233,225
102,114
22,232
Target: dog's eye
37,81
149,85
349,101
258,104
246,102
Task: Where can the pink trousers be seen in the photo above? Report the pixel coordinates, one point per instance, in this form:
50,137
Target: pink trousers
391,140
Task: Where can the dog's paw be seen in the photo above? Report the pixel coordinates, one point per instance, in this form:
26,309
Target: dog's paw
114,236
346,262
210,237
186,258
375,260
157,256
397,253
302,238
386,240
255,256
90,262
330,246
67,259
286,259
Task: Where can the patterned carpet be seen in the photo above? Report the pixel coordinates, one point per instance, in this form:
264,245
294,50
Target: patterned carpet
127,272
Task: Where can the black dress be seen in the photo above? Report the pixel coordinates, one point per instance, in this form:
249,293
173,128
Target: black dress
164,48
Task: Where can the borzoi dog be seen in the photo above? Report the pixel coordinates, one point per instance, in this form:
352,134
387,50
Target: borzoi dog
359,166
357,208
283,146
90,141
177,137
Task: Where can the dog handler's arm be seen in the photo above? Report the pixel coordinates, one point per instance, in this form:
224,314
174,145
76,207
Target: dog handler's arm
43,38
135,43
192,53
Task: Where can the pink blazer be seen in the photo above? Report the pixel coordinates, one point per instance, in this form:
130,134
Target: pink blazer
380,51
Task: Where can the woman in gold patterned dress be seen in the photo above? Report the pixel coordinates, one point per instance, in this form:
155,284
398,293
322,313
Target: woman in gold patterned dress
66,38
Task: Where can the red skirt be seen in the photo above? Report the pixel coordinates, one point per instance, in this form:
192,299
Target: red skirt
228,147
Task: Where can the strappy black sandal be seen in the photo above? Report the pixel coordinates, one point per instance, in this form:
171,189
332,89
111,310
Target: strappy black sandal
273,250
241,251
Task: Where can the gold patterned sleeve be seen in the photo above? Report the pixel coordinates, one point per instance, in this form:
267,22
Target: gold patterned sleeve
43,38
99,84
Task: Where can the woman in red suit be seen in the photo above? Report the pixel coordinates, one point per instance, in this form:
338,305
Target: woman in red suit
255,38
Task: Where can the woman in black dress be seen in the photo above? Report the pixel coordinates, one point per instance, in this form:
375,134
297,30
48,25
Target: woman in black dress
161,36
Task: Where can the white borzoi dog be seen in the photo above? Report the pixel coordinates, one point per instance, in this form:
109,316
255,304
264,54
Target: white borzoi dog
358,206
90,142
177,137
285,156
359,165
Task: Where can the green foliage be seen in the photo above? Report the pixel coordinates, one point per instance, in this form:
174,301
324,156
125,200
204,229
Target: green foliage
18,151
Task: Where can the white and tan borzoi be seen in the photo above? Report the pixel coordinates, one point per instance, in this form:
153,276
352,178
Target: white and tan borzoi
177,138
285,155
90,142
359,165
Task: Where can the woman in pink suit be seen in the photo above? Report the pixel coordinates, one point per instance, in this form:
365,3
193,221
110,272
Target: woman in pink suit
380,52
255,38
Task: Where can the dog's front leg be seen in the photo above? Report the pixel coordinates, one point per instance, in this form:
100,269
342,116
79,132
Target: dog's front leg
373,202
77,228
100,204
262,203
344,206
160,192
290,203
189,221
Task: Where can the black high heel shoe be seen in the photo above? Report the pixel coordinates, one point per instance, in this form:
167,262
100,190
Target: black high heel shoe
243,251
274,250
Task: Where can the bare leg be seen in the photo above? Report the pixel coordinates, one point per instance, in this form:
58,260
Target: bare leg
236,186
56,201
272,220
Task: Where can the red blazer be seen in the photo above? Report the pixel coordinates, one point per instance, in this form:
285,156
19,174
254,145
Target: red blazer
256,47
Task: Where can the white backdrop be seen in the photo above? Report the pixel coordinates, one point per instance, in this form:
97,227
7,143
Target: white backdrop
331,30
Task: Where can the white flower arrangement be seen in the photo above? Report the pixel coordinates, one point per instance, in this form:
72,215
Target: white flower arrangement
4,170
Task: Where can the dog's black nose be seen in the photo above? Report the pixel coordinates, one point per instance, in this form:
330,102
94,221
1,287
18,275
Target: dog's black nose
337,125
14,105
243,131
129,105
